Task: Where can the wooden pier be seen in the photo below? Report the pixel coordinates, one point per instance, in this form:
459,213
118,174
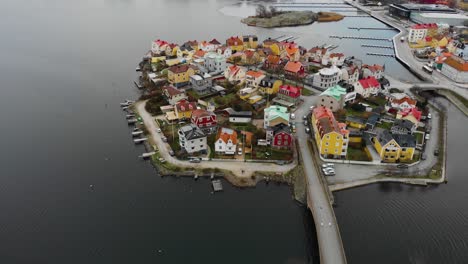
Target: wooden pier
139,140
376,46
380,54
371,28
217,185
359,37
147,155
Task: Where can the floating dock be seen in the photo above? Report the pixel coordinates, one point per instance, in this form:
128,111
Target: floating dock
380,54
132,121
138,85
371,28
137,133
359,37
139,140
217,185
376,46
147,155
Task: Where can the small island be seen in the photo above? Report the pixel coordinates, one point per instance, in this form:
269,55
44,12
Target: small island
272,18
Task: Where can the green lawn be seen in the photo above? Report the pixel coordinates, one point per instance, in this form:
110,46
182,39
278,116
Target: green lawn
357,154
275,154
307,92
419,137
352,112
385,125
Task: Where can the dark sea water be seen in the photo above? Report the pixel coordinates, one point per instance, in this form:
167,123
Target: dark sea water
64,68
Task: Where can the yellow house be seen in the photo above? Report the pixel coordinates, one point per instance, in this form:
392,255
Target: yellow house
394,148
331,137
276,48
356,122
270,85
184,109
155,60
235,43
179,75
250,41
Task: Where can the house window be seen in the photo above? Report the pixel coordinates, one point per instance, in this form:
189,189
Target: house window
201,140
220,147
201,146
193,148
326,143
328,136
280,142
336,150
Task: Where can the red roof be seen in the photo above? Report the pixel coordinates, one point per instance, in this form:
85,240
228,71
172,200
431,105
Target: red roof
291,91
201,113
184,105
161,42
249,53
322,111
373,68
226,136
411,111
273,59
215,42
425,26
293,66
179,68
199,53
369,82
255,74
405,99
338,55
234,41
171,90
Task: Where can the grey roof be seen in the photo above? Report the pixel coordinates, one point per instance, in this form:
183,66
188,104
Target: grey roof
234,113
191,131
403,123
355,133
405,141
384,136
373,118
281,128
268,79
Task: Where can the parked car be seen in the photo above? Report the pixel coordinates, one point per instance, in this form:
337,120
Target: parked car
305,123
307,130
328,171
311,108
239,151
427,136
402,166
436,152
328,165
195,160
304,117
423,157
158,130
293,116
164,139
429,116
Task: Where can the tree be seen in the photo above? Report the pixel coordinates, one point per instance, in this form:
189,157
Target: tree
261,11
273,11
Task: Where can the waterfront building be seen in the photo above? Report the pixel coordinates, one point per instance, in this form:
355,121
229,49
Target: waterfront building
394,148
401,101
235,43
158,46
456,69
420,31
331,136
253,78
372,70
226,141
215,62
367,87
209,46
272,62
268,42
235,74
205,120
319,55
291,52
327,77
179,75
409,10
192,139
294,69
270,85
173,95
183,109
275,115
250,41
333,98
411,114
288,95
280,136
201,84
350,74
335,59
453,19
171,49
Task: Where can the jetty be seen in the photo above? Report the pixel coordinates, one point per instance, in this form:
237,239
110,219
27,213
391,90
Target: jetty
138,85
380,54
147,155
376,46
137,133
357,16
359,37
140,140
217,185
371,28
130,116
132,121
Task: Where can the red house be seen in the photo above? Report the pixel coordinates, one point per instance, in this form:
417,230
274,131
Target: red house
290,94
205,120
282,137
272,62
294,69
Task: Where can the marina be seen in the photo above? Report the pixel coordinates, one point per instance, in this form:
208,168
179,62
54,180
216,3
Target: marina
376,46
147,155
359,37
140,140
380,54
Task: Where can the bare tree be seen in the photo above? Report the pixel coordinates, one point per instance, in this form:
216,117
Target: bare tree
262,11
273,11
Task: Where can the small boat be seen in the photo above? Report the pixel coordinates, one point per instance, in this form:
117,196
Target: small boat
139,140
137,133
132,121
138,69
124,104
130,116
125,108
147,155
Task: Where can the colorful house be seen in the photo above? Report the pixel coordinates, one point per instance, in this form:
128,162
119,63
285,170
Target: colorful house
291,52
205,120
253,78
333,98
183,109
456,69
394,148
215,62
350,74
356,122
327,77
319,55
411,114
179,75
403,103
158,46
275,115
367,87
225,51
268,42
173,95
226,142
272,62
250,57
420,31
331,137
294,69
288,95
280,136
270,85
235,43
250,41
235,73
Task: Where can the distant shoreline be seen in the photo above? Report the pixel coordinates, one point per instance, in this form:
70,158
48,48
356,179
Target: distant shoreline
291,19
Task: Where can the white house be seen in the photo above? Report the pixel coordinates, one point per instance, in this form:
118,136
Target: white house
336,59
239,117
226,141
192,139
224,51
158,46
253,78
174,95
234,73
367,87
215,62
327,77
350,74
402,103
420,31
372,70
